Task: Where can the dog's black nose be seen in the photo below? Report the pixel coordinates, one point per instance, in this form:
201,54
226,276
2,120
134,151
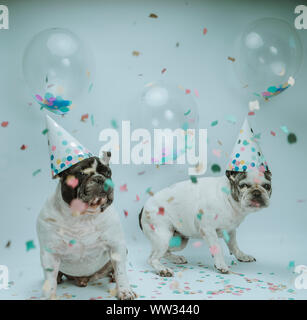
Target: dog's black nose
256,193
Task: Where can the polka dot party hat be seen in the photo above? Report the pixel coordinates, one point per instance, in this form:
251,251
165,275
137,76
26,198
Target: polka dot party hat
64,149
246,154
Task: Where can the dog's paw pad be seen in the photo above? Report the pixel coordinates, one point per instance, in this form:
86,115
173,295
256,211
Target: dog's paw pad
222,269
166,273
246,258
126,294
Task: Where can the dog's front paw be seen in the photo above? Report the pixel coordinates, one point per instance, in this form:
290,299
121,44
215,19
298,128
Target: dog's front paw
166,272
126,294
222,268
245,257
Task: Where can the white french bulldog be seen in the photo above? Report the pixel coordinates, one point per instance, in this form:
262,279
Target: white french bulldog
87,242
205,210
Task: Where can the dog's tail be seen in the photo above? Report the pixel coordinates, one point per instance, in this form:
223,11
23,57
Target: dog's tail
140,218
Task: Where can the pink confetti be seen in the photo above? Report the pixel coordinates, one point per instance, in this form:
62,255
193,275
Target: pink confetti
4,124
196,93
205,31
152,227
163,70
137,198
217,153
126,213
187,91
72,181
214,250
273,133
23,147
216,216
197,244
161,211
123,188
252,113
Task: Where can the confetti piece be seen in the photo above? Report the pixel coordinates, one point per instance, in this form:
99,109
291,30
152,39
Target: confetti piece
226,236
193,179
45,131
108,184
291,81
197,244
232,119
161,211
188,112
135,53
148,190
251,113
216,216
30,245
114,124
254,105
123,188
84,117
205,30
90,87
292,138
92,120
273,133
72,242
291,264
215,168
177,44
36,172
152,227
137,198
187,91
214,123
170,199
200,214
4,124
174,285
175,242
226,190
153,15
217,153
163,70
126,213
23,147
72,181
8,244
141,173
284,129
231,59
214,250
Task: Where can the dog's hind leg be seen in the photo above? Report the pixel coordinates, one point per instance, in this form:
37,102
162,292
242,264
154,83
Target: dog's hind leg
159,238
174,258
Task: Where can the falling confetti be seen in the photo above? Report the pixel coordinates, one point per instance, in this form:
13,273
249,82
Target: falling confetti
8,244
187,91
215,168
292,138
137,198
188,112
231,59
284,129
23,147
108,184
161,211
163,70
232,119
153,15
205,30
291,264
36,172
30,245
92,120
4,124
84,117
72,242
193,179
123,188
214,123
175,242
90,87
135,53
273,133
126,213
114,124
45,131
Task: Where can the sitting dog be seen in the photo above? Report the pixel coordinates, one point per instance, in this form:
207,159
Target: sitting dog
207,210
86,243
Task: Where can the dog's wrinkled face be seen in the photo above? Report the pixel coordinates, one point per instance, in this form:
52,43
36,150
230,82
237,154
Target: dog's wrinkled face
89,181
251,189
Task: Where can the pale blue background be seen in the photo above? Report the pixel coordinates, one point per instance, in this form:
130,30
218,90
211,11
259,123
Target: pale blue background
113,29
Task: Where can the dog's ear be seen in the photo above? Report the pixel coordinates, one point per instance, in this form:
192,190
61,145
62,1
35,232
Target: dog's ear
268,175
105,157
231,175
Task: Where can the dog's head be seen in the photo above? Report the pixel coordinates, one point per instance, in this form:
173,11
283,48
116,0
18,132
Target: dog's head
252,190
89,181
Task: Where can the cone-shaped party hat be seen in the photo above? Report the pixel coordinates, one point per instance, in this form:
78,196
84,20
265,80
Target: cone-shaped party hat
246,154
64,149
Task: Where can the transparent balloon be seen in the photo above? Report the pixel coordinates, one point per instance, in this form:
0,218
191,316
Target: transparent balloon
167,106
57,67
269,54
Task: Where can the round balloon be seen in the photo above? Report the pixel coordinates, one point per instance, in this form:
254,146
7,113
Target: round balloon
269,54
57,68
167,106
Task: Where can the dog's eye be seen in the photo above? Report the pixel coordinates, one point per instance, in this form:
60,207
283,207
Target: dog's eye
267,186
244,185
